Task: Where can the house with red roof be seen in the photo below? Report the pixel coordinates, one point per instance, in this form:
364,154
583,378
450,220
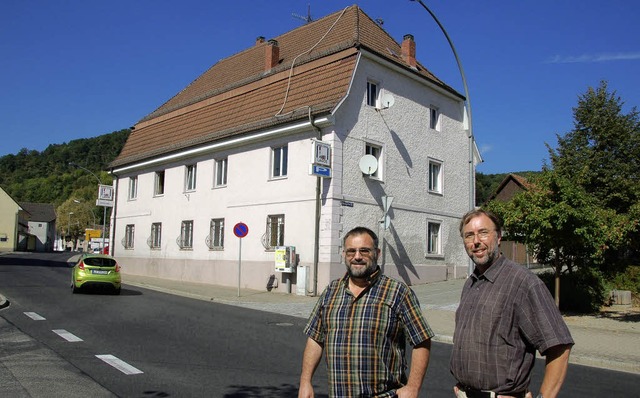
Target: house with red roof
292,142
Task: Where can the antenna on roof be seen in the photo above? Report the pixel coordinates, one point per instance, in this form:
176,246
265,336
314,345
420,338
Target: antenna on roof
308,18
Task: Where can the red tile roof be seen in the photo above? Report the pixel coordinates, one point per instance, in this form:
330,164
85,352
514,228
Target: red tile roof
237,95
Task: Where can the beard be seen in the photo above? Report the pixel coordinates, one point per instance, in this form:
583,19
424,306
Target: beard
366,267
489,257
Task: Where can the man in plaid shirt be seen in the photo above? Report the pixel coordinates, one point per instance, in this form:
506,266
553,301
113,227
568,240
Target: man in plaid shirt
362,321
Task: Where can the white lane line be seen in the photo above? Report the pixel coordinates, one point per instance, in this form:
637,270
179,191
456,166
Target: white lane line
35,316
66,335
120,364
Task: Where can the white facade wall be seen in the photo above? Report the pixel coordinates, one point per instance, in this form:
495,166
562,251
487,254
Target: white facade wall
249,197
407,146
43,233
348,198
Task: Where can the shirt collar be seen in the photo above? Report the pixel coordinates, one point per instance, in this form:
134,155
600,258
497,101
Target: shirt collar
492,272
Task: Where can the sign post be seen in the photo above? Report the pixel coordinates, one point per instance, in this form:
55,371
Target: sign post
240,230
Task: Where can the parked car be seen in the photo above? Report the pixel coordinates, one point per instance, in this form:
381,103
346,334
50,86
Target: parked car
96,270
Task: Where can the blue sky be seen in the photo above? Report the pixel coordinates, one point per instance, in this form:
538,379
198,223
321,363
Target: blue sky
73,69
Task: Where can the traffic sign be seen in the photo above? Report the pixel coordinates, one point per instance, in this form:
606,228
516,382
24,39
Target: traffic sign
240,230
320,171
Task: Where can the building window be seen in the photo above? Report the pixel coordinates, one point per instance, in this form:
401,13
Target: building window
433,238
190,178
159,183
279,161
155,241
186,235
221,172
376,152
133,187
215,240
435,176
434,119
275,232
372,94
129,232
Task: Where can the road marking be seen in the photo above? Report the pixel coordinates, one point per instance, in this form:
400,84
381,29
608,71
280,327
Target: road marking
120,364
66,335
35,316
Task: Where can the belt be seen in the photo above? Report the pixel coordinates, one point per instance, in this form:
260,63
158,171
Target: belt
473,393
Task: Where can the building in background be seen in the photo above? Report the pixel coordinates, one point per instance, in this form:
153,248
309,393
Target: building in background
14,224
42,226
243,145
511,185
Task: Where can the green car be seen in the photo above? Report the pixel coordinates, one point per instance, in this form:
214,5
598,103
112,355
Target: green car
97,270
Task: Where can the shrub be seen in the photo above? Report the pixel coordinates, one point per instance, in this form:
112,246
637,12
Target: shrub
582,291
629,279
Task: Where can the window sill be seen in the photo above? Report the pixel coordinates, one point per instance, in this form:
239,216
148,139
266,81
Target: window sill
434,256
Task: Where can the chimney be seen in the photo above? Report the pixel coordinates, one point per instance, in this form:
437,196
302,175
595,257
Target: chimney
259,40
272,54
409,50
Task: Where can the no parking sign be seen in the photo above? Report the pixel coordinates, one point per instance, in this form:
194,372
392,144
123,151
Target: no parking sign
240,230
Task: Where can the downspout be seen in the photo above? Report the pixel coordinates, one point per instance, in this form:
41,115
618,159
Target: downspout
316,238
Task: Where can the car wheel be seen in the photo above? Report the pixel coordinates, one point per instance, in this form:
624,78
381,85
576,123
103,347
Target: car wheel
116,291
74,289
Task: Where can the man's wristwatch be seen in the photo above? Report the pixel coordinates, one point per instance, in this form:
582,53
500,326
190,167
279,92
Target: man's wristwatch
539,396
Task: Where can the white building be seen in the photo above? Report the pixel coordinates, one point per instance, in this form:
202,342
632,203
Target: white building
235,146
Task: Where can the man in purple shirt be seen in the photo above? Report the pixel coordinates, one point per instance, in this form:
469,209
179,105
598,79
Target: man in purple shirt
506,314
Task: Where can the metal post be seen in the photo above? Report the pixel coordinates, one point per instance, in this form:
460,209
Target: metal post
239,264
468,107
104,212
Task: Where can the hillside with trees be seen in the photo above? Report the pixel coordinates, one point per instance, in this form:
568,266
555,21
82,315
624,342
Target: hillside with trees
46,177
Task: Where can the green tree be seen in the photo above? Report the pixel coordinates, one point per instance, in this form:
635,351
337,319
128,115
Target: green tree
602,153
583,212
565,226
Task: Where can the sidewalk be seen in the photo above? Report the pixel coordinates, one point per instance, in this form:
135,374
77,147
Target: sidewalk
609,340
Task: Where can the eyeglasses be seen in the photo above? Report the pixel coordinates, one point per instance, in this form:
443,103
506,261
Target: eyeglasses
483,234
364,251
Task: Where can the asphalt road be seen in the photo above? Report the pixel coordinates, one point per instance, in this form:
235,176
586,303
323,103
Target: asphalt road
160,345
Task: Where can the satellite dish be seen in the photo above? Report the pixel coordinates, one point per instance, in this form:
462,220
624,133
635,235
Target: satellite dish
387,100
368,164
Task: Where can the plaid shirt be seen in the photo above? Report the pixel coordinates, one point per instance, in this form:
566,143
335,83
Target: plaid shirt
504,316
364,337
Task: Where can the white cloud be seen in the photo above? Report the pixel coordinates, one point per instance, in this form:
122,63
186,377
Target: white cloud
590,58
484,149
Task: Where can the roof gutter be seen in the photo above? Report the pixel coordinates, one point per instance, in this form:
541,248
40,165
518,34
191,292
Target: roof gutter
288,129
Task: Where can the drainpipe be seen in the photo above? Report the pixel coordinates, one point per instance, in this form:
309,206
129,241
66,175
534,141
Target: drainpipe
316,238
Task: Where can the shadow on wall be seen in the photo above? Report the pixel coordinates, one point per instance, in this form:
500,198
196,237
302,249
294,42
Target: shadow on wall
400,258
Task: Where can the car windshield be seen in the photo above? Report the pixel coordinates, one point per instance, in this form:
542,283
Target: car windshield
100,261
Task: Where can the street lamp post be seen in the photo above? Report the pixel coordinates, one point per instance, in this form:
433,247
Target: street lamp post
104,211
69,227
468,107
